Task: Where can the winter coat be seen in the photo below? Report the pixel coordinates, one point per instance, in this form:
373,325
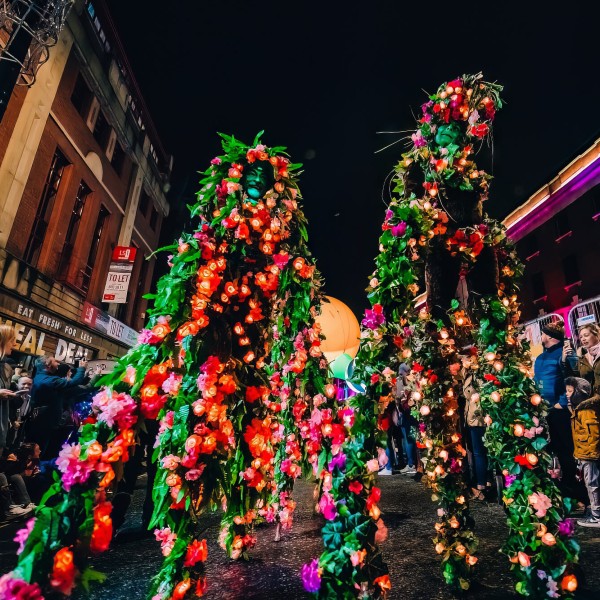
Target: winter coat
585,424
50,391
580,367
473,413
549,376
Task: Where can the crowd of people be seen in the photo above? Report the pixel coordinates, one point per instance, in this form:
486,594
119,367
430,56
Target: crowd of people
568,382
39,411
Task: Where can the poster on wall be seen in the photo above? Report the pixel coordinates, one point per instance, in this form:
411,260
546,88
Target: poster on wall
119,275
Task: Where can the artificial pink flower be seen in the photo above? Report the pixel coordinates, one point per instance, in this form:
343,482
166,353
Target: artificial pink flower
23,534
327,506
166,538
540,502
74,471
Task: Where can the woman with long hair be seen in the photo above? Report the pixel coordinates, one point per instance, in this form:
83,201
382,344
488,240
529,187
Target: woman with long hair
586,363
8,340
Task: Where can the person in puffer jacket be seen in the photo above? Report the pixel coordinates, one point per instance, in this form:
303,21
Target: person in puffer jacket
585,424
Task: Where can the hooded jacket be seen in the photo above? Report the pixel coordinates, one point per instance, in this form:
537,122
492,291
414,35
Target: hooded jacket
549,377
585,420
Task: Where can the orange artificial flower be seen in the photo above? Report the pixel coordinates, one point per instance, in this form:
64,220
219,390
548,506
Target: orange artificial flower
383,582
181,589
62,578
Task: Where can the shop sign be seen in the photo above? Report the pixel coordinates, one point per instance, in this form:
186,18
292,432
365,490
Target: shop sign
33,341
102,321
119,275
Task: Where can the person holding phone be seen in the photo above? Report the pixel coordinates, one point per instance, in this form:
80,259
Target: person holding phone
8,340
48,395
586,363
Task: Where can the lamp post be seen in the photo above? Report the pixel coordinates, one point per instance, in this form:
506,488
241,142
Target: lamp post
31,28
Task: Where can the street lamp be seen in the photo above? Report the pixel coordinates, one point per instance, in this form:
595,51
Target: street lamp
30,28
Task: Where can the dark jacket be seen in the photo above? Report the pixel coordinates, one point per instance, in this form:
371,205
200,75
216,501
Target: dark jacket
6,373
549,376
585,420
51,391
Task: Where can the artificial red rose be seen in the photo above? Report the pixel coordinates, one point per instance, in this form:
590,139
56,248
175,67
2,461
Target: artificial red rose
492,378
196,552
522,460
102,532
355,486
480,130
374,497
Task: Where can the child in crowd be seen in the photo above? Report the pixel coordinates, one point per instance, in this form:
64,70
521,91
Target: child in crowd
585,423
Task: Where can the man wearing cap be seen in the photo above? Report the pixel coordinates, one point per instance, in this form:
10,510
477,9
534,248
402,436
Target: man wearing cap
549,377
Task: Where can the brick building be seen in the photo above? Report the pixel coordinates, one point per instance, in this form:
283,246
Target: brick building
82,171
557,231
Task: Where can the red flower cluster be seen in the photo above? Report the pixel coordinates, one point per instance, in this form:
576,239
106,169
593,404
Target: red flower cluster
102,532
463,241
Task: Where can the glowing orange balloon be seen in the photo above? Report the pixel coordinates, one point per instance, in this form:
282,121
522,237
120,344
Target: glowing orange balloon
340,328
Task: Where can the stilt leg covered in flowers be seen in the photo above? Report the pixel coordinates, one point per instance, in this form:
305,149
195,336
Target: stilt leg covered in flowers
238,399
435,230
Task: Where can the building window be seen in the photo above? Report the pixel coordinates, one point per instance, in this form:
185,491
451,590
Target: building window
69,246
596,205
537,285
101,224
571,270
153,219
530,246
561,225
81,97
102,130
45,207
118,159
144,203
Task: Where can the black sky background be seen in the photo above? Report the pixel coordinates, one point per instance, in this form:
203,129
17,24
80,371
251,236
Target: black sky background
323,77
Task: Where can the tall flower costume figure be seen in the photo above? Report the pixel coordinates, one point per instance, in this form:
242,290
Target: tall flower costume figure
208,366
435,230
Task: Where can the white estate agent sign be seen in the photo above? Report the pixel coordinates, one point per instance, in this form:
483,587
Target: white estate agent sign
119,275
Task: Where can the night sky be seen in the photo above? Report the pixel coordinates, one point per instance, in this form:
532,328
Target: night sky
323,77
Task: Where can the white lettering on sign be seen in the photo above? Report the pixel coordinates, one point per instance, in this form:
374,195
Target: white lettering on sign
49,321
587,319
26,311
115,328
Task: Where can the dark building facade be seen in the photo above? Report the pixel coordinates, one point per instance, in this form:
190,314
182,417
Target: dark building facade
82,172
557,232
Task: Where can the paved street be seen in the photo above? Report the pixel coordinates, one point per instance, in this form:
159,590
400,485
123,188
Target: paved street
273,571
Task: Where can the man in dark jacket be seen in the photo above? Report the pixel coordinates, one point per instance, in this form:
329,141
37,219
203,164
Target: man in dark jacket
549,377
48,395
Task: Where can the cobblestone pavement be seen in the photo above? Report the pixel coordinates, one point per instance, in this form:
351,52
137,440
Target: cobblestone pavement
273,572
